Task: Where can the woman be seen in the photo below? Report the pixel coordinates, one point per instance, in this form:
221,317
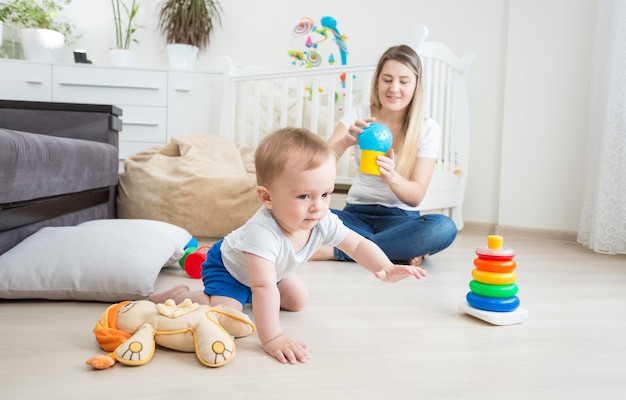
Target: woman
384,208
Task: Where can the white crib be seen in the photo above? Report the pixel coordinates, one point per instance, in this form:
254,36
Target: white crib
258,101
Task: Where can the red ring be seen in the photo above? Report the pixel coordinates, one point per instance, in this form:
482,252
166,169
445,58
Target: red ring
495,257
495,265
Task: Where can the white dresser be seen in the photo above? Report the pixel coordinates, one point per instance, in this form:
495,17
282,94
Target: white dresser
156,104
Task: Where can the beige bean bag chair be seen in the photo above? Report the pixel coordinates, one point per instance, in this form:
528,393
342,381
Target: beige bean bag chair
203,183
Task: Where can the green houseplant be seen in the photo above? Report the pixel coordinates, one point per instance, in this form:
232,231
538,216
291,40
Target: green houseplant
41,14
125,28
124,31
44,30
187,26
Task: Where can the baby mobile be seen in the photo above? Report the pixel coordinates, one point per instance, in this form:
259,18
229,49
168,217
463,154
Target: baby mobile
310,57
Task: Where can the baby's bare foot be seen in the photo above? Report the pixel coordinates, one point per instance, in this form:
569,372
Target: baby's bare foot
172,293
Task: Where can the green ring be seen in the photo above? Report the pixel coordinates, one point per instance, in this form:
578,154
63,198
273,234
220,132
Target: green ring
188,251
499,291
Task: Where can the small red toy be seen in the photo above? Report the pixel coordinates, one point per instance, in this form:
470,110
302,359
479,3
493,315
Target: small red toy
193,262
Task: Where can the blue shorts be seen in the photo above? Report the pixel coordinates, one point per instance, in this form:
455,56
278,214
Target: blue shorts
219,282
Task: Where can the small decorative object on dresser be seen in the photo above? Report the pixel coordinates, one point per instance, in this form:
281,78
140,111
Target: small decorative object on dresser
187,26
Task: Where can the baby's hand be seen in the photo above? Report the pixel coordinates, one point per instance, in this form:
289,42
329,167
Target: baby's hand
395,273
286,349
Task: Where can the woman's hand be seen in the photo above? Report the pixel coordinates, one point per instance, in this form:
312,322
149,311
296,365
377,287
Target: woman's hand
387,168
357,128
345,137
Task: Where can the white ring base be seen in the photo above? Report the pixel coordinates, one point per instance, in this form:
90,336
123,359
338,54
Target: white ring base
516,316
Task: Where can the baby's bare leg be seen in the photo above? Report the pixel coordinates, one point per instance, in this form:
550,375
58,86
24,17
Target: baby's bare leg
293,293
179,293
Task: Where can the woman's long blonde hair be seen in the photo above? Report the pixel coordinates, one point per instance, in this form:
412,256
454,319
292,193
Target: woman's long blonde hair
407,145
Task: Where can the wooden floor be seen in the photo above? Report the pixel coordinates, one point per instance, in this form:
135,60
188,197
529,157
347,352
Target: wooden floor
367,339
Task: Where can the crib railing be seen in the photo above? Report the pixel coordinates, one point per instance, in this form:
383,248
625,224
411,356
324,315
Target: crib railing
257,103
445,100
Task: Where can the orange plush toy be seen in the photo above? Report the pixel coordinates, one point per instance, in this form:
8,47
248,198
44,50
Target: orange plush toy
130,330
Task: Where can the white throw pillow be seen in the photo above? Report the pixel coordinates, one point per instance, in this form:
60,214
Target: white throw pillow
103,260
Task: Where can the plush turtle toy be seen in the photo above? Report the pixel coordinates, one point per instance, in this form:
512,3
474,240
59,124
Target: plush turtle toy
130,330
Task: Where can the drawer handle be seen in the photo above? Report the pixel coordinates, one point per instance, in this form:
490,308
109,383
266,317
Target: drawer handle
106,85
32,82
185,90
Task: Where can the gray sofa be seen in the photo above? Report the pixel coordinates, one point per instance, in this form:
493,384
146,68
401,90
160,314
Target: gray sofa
58,166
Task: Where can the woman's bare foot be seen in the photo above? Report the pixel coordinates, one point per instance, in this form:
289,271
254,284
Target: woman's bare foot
172,293
417,261
324,253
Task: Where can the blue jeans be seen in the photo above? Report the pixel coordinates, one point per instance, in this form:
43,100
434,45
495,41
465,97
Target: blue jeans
401,234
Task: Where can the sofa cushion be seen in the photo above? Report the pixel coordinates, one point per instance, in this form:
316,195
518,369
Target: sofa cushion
101,260
35,165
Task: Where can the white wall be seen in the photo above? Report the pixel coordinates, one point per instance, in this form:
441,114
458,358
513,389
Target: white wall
528,84
545,113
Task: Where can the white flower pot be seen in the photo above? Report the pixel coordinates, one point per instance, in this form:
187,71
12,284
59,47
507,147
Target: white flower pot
42,45
182,56
121,57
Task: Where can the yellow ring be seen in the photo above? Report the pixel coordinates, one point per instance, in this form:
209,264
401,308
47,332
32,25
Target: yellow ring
494,278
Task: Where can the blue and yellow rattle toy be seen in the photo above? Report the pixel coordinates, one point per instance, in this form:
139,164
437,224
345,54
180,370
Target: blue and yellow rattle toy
493,291
375,141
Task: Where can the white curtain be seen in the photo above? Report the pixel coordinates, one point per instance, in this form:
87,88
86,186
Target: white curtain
603,220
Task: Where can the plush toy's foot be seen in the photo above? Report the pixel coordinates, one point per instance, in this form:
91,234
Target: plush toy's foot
100,362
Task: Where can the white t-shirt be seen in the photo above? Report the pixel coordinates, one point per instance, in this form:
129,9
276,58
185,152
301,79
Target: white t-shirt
262,236
370,189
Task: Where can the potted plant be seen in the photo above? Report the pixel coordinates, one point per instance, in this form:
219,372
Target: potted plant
124,31
44,31
187,27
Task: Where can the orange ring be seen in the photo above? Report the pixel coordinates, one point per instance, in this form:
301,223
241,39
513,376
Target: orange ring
495,266
494,278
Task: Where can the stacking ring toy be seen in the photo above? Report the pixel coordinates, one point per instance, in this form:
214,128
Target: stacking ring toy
499,291
494,278
491,255
495,265
492,304
494,250
188,250
193,242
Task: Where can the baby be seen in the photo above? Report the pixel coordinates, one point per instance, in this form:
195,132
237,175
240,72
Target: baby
256,263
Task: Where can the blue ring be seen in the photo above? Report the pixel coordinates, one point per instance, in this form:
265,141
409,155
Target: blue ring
505,304
193,242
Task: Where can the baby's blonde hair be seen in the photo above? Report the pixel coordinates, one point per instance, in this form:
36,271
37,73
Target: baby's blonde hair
276,149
